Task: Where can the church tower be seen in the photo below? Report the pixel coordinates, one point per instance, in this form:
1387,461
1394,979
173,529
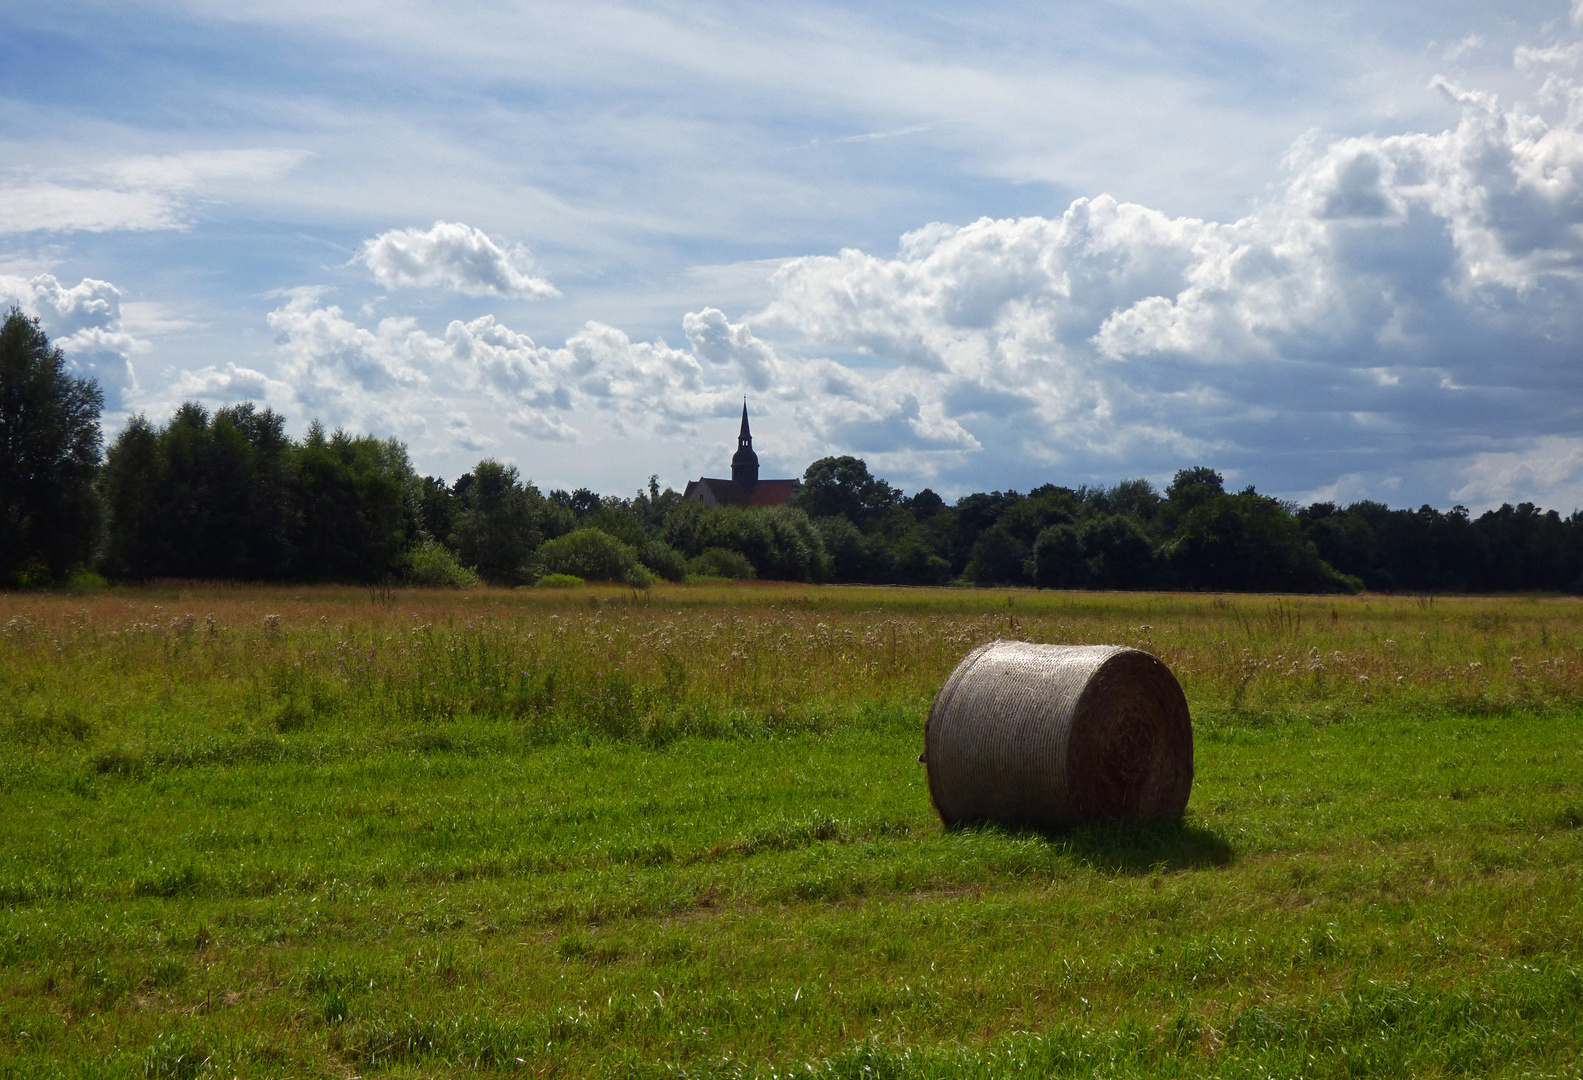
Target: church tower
746,487
745,463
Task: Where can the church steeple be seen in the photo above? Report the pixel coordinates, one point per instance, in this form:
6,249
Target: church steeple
745,463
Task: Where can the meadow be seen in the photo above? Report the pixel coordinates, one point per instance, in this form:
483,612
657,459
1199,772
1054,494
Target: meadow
336,832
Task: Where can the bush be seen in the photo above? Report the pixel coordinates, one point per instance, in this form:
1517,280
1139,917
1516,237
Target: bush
997,558
917,564
559,581
779,541
1118,552
1248,542
663,559
86,581
721,563
432,563
852,556
1058,561
589,554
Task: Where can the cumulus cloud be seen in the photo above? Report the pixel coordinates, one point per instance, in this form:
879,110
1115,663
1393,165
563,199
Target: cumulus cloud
1400,303
452,256
344,373
85,321
1547,471
393,376
1401,297
1402,312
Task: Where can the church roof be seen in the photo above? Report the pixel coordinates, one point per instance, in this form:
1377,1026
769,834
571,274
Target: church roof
713,491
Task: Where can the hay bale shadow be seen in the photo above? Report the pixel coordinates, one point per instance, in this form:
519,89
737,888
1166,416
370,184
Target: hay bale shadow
1120,848
1138,849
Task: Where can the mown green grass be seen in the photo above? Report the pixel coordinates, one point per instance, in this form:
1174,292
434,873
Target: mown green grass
686,834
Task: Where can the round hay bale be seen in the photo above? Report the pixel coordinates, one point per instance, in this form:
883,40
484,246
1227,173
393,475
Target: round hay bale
1054,736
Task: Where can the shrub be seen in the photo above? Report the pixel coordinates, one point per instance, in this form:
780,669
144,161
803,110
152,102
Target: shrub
559,581
1058,561
997,558
1118,552
663,559
432,563
917,564
721,563
589,554
779,541
851,555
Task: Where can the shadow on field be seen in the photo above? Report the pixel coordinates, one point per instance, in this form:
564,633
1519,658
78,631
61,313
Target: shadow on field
1134,849
1138,849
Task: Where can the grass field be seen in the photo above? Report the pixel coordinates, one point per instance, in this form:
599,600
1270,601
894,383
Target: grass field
340,832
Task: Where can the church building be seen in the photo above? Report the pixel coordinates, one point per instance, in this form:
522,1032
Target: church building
744,488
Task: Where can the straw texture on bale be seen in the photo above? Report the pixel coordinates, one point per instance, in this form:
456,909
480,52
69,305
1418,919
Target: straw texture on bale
1055,736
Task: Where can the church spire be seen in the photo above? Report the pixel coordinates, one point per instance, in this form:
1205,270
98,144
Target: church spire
745,463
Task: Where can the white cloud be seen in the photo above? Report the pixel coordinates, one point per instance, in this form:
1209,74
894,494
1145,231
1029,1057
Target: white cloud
1398,299
136,194
453,256
343,373
225,386
59,208
1394,304
203,170
1547,471
85,322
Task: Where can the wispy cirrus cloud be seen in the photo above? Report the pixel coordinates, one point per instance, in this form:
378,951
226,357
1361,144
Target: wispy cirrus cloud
136,194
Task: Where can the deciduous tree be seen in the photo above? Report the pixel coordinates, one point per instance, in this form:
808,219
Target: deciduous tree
49,454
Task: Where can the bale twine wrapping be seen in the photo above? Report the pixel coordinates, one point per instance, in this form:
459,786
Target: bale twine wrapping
1054,736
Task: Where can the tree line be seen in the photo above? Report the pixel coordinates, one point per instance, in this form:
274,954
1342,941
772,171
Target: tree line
229,494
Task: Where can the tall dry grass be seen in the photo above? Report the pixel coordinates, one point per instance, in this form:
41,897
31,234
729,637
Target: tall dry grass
740,658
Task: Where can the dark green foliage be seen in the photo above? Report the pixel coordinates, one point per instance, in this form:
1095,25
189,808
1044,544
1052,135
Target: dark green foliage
1108,552
203,497
616,519
1425,550
998,558
842,485
1192,487
231,496
853,556
924,505
498,530
780,542
663,560
49,454
1247,541
1118,552
589,554
437,507
914,562
351,493
721,563
1135,497
1058,560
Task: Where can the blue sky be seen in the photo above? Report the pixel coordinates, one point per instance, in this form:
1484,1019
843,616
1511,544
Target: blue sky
1332,250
